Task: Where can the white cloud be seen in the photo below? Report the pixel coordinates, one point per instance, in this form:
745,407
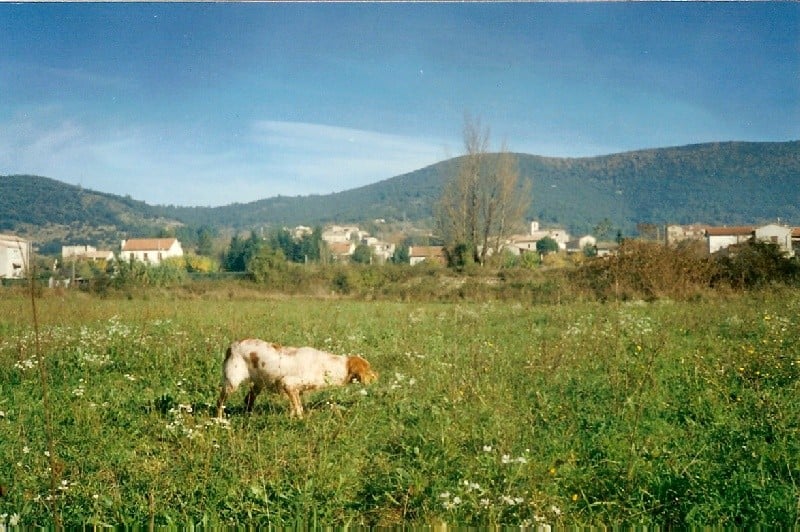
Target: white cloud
159,165
329,158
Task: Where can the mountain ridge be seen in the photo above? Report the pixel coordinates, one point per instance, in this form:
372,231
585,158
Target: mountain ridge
721,183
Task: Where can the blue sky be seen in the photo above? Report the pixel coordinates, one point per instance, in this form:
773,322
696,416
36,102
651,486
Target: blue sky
214,103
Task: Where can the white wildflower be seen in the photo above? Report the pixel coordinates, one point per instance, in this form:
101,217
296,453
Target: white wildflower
217,421
363,391
472,486
14,520
26,450
487,448
511,501
506,459
449,504
25,364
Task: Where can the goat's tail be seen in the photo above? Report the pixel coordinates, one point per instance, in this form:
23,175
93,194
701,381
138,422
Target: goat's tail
228,352
225,386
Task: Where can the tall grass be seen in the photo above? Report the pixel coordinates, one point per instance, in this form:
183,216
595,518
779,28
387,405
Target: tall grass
661,414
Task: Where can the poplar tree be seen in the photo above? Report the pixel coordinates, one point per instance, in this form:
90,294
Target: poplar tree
484,202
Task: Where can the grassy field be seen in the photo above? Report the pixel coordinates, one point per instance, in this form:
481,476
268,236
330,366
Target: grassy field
659,413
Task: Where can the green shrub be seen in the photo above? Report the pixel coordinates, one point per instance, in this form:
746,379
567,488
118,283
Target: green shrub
646,270
755,264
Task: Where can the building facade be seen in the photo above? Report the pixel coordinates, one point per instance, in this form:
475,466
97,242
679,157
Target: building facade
15,254
150,250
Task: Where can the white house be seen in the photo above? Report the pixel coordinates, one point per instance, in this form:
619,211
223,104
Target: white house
722,237
85,253
300,231
519,244
383,251
341,250
776,234
678,233
150,250
15,252
796,240
338,233
578,245
433,254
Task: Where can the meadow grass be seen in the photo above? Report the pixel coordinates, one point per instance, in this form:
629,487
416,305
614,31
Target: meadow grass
498,413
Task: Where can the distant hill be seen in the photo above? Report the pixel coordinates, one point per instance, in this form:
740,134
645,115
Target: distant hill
719,183
53,212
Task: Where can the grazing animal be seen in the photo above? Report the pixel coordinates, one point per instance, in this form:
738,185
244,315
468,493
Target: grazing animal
291,370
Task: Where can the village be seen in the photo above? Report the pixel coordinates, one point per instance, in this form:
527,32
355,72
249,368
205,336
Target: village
342,241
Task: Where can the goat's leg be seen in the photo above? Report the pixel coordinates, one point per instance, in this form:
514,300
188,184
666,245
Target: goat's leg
251,396
295,401
226,390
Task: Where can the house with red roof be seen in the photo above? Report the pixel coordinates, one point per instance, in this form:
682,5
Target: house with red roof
150,250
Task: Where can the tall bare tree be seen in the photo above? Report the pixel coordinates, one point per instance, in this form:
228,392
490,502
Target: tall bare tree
485,201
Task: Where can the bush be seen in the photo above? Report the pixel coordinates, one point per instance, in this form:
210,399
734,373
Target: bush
140,274
267,266
646,270
755,264
344,281
200,264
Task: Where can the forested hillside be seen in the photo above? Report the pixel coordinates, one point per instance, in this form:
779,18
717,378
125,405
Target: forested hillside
720,183
58,213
